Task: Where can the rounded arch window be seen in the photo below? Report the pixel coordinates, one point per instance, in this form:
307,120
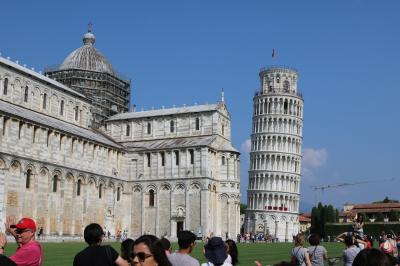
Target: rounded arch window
26,94
151,198
55,183
100,190
5,86
28,178
78,187
286,86
118,194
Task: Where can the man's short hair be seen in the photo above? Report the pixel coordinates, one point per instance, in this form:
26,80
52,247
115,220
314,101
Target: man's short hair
185,238
93,234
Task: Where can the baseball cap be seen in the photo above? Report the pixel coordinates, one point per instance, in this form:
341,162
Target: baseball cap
25,223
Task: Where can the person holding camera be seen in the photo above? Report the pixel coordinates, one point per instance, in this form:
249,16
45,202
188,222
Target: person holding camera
353,247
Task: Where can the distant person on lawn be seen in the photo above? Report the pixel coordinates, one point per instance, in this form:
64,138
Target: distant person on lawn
29,251
96,254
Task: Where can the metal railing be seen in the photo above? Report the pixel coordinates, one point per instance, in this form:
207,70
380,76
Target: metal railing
276,67
297,93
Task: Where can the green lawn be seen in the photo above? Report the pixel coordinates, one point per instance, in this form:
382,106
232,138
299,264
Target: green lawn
60,254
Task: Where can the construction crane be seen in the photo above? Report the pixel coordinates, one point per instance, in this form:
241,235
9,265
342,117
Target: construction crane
345,184
323,187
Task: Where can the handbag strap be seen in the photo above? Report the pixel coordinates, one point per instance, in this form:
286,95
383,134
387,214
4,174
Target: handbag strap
312,254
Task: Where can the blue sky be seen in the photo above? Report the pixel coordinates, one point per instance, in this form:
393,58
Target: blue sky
184,52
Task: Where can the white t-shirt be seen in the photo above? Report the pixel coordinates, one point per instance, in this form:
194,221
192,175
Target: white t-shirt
228,259
179,259
210,264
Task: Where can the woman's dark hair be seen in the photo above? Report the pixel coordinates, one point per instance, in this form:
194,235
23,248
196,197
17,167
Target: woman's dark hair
165,243
372,257
348,240
93,234
126,249
314,239
233,251
155,247
360,218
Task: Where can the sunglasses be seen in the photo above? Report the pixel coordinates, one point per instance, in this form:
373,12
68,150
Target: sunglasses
141,256
20,231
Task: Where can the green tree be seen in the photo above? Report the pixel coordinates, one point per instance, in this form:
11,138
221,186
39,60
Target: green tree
336,215
320,216
393,216
364,216
379,217
330,214
243,207
315,221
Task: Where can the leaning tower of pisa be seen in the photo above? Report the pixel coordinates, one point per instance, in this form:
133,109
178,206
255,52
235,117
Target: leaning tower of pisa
275,156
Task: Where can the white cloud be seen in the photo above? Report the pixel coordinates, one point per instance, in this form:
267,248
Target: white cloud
246,146
312,159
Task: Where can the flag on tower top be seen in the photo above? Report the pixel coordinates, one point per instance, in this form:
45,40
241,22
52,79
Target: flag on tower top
273,53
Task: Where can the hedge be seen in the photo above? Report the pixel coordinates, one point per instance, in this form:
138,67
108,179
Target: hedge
372,229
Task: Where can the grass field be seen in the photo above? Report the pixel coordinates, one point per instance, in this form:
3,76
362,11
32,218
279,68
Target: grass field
60,254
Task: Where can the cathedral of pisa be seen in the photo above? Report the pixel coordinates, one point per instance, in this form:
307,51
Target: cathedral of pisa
71,154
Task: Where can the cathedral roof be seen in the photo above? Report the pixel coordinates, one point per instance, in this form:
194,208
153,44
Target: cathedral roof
169,111
55,123
41,78
183,142
87,57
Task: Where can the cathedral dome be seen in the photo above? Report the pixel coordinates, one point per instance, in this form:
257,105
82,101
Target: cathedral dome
87,57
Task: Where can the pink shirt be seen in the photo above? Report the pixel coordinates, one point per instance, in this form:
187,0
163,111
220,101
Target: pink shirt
29,254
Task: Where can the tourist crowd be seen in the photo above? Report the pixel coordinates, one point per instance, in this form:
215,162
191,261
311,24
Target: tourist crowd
149,250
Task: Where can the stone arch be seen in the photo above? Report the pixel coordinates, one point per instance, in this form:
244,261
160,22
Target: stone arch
151,187
180,187
120,186
103,182
57,172
15,166
165,187
69,176
2,163
223,196
137,188
111,185
82,177
92,181
44,171
53,104
29,166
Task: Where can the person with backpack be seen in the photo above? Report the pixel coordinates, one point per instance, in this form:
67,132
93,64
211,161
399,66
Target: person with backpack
316,252
300,256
